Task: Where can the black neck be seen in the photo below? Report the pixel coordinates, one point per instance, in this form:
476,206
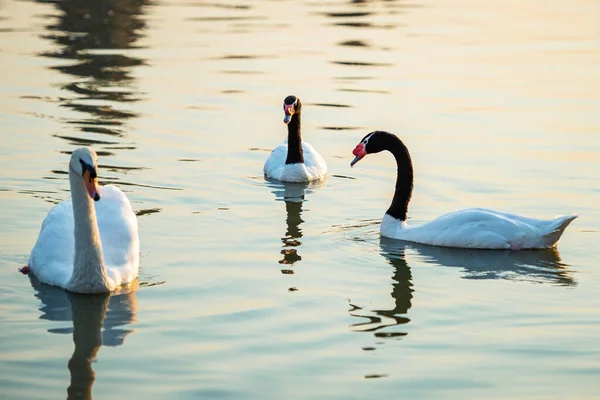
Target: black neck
294,154
404,179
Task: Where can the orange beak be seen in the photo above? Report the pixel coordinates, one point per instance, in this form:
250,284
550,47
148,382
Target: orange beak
91,184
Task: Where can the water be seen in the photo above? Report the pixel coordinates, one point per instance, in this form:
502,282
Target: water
252,289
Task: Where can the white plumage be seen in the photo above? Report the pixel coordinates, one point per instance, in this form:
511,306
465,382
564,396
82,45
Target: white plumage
476,228
104,263
294,160
314,167
480,228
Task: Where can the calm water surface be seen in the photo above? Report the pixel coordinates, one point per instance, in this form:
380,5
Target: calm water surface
254,289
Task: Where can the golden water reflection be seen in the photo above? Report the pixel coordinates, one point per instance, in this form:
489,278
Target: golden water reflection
293,196
95,36
97,320
538,266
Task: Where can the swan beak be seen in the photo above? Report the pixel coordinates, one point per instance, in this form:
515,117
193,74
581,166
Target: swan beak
356,159
289,111
91,184
359,151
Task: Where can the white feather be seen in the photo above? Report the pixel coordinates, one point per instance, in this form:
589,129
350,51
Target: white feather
52,256
480,228
313,169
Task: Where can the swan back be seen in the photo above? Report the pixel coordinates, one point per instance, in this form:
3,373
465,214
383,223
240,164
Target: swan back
51,258
481,228
314,167
119,235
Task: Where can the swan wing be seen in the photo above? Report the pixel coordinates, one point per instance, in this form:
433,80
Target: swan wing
276,162
118,227
51,259
481,228
314,167
527,232
315,163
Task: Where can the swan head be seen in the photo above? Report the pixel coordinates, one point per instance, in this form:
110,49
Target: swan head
368,145
291,106
84,164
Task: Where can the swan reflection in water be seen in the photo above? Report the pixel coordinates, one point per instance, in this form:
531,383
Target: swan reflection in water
293,196
538,266
97,320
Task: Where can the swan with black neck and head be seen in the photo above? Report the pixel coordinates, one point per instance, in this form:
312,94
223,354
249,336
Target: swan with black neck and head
478,228
88,243
295,160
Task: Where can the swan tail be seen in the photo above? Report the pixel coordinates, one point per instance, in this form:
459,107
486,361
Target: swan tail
556,229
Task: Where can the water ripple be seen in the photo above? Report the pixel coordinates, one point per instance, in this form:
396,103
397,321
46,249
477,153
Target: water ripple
77,141
362,64
340,128
226,18
364,25
375,91
354,43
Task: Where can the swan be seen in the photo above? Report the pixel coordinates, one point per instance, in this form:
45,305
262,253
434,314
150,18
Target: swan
87,246
294,160
477,228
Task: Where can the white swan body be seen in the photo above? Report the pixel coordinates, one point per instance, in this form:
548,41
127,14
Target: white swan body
87,246
294,160
312,169
480,228
476,228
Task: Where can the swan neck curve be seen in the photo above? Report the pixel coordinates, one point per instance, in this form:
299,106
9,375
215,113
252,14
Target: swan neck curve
89,273
294,154
404,178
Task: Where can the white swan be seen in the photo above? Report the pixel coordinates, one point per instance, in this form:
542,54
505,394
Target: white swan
294,160
86,246
471,228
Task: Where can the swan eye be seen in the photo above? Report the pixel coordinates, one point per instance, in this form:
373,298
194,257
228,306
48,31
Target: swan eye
89,168
366,139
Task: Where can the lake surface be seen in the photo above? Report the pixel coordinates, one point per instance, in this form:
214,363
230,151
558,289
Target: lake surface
253,289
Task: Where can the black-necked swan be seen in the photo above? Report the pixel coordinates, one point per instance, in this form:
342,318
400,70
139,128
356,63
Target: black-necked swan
477,228
88,244
294,160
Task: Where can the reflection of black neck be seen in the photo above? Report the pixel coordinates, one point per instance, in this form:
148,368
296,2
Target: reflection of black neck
404,178
401,288
402,293
293,234
293,209
294,154
89,312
